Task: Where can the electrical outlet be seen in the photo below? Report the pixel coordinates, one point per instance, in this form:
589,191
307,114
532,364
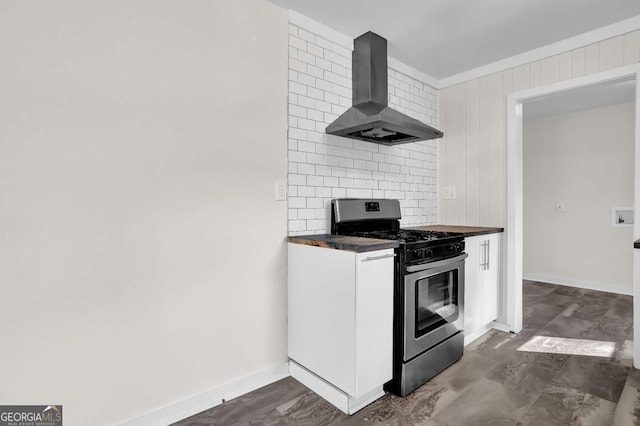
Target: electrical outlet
449,193
281,190
560,208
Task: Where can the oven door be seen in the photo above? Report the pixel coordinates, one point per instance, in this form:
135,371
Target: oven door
432,304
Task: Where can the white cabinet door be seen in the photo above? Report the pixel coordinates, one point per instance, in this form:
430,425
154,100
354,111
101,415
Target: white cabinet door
482,282
374,320
491,278
340,315
321,311
472,309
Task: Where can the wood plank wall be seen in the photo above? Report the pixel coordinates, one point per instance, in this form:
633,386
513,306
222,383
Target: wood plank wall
472,155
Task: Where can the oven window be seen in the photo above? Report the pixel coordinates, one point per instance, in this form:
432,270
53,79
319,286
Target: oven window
436,301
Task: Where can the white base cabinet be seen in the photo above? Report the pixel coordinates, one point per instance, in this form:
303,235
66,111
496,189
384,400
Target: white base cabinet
340,322
482,284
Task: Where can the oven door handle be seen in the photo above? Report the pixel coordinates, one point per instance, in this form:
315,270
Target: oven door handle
437,264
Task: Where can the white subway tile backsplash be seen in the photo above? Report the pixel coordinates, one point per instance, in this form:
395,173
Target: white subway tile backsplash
322,170
306,57
323,63
306,191
316,115
322,167
295,64
297,157
314,137
341,50
315,50
306,35
338,171
315,202
297,225
323,192
297,111
324,85
322,42
334,99
306,124
338,192
306,146
315,181
345,162
306,79
297,42
303,101
306,169
297,88
345,102
359,193
329,118
339,69
316,158
323,106
339,59
297,202
314,71
296,179
331,181
316,224
314,93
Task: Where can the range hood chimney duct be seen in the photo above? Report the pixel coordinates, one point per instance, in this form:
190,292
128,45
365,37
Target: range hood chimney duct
370,118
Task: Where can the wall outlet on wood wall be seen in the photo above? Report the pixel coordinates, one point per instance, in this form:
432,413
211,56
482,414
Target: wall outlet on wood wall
449,193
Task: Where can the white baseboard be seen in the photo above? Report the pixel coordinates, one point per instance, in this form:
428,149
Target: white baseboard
211,397
589,285
502,327
493,325
339,399
468,338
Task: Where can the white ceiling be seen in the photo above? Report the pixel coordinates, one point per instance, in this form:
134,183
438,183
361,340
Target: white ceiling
443,38
593,96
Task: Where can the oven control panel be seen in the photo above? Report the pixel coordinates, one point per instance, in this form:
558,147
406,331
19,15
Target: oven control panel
372,206
434,252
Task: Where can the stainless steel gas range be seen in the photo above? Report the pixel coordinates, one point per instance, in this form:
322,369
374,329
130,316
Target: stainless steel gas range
428,289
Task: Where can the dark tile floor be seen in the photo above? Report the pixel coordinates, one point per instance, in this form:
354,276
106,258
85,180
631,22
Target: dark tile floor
545,375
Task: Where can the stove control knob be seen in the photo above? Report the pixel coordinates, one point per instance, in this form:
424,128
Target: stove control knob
419,253
428,253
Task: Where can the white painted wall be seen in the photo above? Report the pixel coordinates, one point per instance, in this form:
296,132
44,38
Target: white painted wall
585,161
472,155
142,254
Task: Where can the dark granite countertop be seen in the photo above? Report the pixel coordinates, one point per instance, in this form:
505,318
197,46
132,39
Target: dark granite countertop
467,231
636,244
343,242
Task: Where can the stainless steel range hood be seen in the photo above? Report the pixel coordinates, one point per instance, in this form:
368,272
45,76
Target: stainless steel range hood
370,118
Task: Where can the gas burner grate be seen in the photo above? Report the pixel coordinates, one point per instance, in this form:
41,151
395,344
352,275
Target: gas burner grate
405,235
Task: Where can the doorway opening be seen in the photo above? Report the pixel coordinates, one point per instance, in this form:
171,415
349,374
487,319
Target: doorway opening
590,87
